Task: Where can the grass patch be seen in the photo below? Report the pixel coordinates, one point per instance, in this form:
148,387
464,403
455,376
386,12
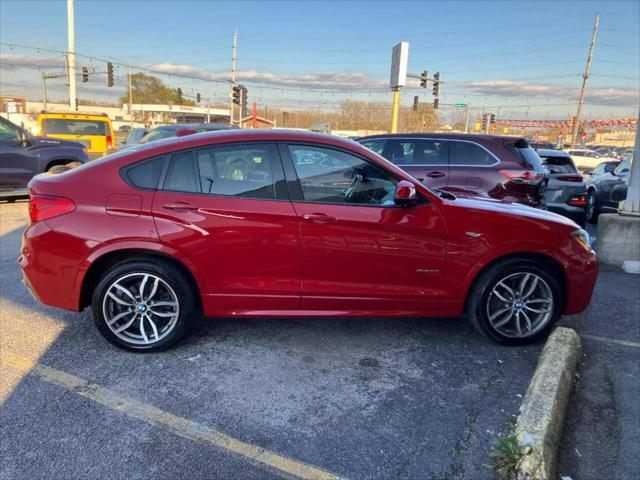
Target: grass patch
505,456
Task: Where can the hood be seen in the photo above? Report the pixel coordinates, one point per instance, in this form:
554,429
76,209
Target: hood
509,208
44,142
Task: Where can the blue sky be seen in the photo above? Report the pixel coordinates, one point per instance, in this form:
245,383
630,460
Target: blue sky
524,57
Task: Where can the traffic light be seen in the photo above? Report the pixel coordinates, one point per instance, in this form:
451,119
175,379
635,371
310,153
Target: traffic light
423,79
77,104
484,123
244,102
493,119
109,74
197,98
415,103
236,94
179,96
85,74
436,84
436,103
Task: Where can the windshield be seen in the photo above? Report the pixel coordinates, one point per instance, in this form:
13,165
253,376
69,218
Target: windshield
624,167
51,126
157,134
559,164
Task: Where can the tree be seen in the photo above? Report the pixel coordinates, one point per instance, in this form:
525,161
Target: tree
150,89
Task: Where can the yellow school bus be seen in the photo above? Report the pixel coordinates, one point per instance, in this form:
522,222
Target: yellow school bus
94,131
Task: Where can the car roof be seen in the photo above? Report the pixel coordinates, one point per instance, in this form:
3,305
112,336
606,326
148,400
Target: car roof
446,136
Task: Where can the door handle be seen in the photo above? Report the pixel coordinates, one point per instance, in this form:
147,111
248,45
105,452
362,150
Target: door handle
180,206
435,174
319,218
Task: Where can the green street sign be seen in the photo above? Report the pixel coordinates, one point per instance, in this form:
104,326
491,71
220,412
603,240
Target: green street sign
460,105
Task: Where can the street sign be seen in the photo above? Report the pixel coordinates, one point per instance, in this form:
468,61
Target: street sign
460,105
399,60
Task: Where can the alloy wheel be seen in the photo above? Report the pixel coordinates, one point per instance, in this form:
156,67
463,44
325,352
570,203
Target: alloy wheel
140,308
520,305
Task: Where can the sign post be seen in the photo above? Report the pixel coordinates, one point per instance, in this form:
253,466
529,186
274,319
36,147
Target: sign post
399,62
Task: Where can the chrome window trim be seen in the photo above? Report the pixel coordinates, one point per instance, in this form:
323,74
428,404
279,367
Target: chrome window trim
448,165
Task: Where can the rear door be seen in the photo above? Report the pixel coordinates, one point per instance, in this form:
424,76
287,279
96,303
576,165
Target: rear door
473,170
426,159
226,208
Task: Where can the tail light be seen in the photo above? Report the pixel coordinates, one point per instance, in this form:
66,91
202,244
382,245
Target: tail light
109,142
523,176
44,207
570,178
578,201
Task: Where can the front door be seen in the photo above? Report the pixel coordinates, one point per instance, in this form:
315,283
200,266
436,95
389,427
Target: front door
225,209
361,252
18,162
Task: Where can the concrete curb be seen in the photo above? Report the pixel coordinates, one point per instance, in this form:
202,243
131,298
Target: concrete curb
539,426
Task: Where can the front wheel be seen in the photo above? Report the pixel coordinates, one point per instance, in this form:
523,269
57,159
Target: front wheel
144,305
515,302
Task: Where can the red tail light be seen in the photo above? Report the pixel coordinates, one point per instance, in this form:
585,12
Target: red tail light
570,178
523,176
578,201
109,142
44,207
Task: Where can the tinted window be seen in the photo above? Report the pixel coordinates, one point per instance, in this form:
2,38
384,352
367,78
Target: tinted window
374,145
7,133
241,171
466,153
157,134
182,175
416,152
332,176
559,164
74,127
146,174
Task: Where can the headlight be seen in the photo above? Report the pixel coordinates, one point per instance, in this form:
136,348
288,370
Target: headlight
582,237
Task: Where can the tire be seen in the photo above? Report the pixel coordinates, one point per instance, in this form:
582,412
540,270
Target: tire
593,207
167,322
483,299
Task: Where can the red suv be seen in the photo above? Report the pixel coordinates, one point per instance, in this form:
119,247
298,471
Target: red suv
504,168
277,223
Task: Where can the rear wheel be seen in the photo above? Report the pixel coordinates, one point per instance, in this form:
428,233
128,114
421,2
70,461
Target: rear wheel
593,208
515,302
144,305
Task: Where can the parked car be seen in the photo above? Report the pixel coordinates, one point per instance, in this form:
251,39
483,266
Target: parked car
94,131
604,167
134,137
167,131
22,156
315,225
586,160
599,190
504,168
566,192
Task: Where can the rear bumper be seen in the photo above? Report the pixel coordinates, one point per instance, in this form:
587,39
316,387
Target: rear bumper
49,269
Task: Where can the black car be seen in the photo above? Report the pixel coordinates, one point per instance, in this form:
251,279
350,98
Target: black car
22,156
599,188
566,192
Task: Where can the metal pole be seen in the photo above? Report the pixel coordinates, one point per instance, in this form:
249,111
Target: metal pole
233,75
44,92
395,111
466,122
72,56
631,206
585,76
208,110
130,99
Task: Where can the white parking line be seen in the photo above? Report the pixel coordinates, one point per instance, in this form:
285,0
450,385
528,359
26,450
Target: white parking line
614,341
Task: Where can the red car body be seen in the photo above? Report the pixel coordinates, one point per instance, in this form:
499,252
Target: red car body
283,257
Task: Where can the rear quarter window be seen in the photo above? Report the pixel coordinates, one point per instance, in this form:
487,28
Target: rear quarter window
145,174
527,155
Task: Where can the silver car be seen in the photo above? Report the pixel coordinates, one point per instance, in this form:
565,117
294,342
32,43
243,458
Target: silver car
566,192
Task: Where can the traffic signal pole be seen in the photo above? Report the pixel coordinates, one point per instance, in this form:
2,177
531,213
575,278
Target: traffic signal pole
395,110
233,75
71,57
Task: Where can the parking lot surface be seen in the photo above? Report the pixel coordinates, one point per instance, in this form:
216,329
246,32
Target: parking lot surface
356,398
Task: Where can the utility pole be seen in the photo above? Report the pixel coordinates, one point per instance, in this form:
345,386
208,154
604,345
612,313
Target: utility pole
466,122
585,76
233,75
44,92
71,57
130,99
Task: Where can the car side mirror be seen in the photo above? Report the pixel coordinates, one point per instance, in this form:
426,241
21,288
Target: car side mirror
619,193
405,193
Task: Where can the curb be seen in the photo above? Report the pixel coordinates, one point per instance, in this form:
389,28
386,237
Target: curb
541,419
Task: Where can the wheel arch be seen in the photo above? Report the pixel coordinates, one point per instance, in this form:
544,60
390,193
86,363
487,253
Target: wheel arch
107,260
57,161
553,265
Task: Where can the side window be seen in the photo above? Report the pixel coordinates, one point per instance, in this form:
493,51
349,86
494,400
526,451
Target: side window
238,170
332,176
146,174
598,170
8,133
182,175
467,153
375,146
416,152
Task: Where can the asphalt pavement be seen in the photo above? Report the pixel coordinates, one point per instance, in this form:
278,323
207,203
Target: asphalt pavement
240,398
